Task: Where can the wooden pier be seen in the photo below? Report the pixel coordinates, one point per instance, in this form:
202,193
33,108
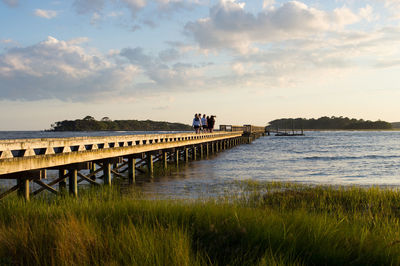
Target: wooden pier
81,159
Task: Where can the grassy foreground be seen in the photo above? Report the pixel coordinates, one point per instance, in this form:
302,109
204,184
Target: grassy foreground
289,225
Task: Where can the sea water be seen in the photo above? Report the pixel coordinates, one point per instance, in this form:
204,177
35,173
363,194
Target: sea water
361,158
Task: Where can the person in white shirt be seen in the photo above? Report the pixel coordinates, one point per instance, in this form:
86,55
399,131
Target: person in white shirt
196,123
204,123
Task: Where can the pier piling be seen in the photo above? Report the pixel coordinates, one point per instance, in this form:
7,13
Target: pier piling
73,182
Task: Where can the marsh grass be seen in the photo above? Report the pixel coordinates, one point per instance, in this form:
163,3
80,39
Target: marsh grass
268,224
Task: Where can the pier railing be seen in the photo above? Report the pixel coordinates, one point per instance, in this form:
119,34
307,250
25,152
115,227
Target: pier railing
26,154
247,129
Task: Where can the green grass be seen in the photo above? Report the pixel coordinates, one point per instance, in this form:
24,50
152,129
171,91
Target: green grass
270,224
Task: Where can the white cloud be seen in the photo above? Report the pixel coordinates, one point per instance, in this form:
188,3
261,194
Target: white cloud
268,4
161,76
238,68
49,14
229,25
367,13
78,40
63,70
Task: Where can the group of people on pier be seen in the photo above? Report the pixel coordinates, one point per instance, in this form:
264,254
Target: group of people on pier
203,124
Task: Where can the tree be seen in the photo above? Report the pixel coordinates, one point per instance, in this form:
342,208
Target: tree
106,119
89,118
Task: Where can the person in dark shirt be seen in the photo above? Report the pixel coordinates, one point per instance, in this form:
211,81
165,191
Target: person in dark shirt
211,123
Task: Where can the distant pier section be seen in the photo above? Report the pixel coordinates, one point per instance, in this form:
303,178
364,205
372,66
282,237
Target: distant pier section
93,159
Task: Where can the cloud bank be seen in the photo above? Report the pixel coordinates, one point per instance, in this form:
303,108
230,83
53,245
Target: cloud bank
62,70
230,25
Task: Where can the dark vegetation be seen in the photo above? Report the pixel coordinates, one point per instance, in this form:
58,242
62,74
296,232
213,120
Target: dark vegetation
106,124
268,224
329,123
396,125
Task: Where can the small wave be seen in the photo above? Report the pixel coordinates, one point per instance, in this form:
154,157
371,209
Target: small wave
342,158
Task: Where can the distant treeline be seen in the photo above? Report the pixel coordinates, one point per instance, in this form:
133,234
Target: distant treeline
106,124
396,124
329,123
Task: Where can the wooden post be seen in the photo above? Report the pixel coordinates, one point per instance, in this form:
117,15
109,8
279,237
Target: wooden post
216,146
73,182
194,153
207,149
131,169
23,189
150,165
107,173
177,158
92,169
63,183
186,155
43,174
201,151
165,159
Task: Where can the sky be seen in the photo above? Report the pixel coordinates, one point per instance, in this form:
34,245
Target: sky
247,62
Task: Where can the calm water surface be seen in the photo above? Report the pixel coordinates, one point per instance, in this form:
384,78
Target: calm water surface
330,158
334,158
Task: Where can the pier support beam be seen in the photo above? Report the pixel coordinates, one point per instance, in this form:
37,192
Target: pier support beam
177,158
23,188
186,155
165,160
201,151
194,153
107,173
207,150
150,164
131,170
93,169
73,182
43,174
63,183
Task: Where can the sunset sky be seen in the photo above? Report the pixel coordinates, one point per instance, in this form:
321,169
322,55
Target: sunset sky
248,62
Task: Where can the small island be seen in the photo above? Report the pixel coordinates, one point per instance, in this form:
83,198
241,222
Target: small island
89,123
329,123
